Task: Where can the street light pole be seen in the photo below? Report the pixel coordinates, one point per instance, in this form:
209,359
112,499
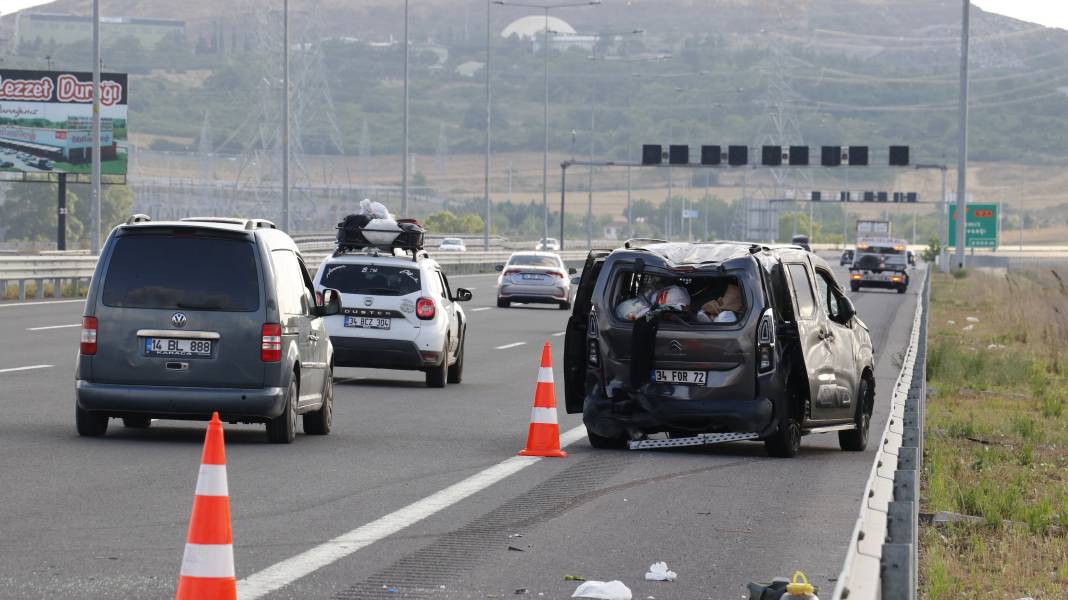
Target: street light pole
404,126
545,156
285,115
489,120
96,129
962,151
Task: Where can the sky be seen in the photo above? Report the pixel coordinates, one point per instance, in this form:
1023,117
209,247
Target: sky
1051,13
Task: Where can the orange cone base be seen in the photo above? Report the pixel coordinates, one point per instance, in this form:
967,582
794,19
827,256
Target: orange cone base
203,588
543,440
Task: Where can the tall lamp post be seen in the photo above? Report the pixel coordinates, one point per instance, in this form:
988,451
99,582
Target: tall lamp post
96,130
489,123
545,159
404,126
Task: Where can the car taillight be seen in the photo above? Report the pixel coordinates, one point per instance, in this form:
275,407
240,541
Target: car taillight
855,276
766,342
511,272
593,351
88,343
425,309
556,275
271,342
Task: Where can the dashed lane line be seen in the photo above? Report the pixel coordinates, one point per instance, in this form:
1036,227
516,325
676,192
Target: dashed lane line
512,345
281,574
29,368
481,308
559,333
39,303
53,327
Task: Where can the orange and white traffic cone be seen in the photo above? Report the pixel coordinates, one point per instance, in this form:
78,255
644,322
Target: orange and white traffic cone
208,563
544,436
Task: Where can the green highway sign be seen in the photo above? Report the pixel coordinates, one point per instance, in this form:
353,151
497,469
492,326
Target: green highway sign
981,226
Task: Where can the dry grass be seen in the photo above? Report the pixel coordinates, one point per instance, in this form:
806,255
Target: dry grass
997,437
67,291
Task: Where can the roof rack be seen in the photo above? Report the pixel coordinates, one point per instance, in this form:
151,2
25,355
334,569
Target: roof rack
416,254
633,242
138,218
246,223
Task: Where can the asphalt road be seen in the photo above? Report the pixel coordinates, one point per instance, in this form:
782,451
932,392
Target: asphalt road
106,518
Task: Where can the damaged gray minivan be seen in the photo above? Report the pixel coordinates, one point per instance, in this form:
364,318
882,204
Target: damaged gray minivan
716,338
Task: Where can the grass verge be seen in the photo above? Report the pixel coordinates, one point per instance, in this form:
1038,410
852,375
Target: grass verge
996,437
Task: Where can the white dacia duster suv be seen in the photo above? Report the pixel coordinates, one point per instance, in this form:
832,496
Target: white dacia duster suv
398,312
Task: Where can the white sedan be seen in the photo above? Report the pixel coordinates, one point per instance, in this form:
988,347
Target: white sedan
452,245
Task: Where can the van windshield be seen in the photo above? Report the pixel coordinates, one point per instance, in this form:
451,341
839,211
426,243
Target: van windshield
375,280
182,273
693,300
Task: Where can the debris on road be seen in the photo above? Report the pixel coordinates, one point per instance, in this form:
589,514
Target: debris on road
515,549
659,572
515,535
601,590
520,591
574,578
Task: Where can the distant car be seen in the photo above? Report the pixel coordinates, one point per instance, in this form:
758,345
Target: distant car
534,278
44,164
6,164
548,245
847,257
452,245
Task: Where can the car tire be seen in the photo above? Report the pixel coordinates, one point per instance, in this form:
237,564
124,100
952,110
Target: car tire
502,303
137,422
902,288
90,424
856,440
319,422
437,375
605,443
283,428
456,371
786,442
566,305
855,287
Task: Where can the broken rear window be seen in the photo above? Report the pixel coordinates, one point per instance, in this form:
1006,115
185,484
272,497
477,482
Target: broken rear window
692,300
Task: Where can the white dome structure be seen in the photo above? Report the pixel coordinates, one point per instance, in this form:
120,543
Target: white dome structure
534,26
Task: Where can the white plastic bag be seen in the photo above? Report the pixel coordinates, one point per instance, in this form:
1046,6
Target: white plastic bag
632,309
659,572
673,296
381,231
379,211
601,590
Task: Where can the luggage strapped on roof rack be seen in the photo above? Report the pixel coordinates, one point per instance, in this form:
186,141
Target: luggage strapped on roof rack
352,235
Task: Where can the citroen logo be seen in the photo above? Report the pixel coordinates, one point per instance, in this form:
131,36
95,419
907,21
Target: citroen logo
178,320
676,346
368,300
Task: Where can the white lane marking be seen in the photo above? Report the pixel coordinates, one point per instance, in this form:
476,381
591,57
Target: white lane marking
481,308
283,573
507,346
559,333
53,327
29,368
7,304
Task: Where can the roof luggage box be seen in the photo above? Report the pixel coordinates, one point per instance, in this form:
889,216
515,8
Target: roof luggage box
354,234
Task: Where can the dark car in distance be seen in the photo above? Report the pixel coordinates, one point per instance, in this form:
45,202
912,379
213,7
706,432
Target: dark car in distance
725,337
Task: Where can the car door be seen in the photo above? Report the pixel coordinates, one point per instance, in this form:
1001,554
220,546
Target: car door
318,335
294,307
454,322
838,337
812,328
449,308
575,334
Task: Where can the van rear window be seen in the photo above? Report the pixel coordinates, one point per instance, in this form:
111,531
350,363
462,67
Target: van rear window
190,273
374,280
693,300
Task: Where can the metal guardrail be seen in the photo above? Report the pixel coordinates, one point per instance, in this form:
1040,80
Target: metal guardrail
883,555
21,270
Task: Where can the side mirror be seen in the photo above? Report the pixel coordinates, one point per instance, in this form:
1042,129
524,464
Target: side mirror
499,268
572,271
330,303
463,295
846,310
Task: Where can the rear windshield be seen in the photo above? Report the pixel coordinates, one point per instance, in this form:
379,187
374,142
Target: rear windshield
376,280
531,260
191,273
696,300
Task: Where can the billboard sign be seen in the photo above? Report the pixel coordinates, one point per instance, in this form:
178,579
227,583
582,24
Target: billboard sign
980,226
46,121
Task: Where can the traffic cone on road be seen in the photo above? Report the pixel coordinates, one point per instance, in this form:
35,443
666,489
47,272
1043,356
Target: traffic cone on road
544,436
208,563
